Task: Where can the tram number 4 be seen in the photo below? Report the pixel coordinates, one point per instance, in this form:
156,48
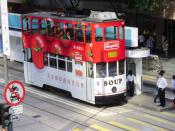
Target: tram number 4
112,82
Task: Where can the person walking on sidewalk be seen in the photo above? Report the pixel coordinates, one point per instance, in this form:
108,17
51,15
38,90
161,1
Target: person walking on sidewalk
130,83
161,84
156,90
173,86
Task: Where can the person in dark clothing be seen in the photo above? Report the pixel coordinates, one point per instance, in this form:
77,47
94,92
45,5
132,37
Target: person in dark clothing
130,83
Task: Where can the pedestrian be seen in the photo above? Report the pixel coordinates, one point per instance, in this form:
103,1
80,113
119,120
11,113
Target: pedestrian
130,83
173,86
141,40
149,43
156,90
161,84
165,46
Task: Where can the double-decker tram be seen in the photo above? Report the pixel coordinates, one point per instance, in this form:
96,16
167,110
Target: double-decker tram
82,55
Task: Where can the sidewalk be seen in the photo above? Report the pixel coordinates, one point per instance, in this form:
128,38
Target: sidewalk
146,99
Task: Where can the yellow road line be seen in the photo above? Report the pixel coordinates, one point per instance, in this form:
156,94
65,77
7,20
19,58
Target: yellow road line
146,124
168,114
122,126
99,128
76,129
160,120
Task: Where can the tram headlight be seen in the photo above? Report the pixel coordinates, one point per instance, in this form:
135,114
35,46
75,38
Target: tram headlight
114,89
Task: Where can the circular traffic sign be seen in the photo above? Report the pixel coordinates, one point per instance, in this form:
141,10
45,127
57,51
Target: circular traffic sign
14,93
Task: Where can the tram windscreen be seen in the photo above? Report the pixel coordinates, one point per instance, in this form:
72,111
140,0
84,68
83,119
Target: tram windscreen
101,71
112,68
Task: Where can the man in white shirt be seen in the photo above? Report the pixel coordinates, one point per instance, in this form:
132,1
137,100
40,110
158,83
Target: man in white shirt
130,83
161,84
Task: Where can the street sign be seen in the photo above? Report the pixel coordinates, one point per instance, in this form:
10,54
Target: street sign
16,110
14,93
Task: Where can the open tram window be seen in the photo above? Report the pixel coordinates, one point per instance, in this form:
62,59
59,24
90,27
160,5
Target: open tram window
59,33
26,26
88,34
90,69
53,61
98,34
101,70
50,28
112,67
69,35
35,26
46,57
121,67
69,64
43,27
79,32
61,63
27,54
111,33
121,32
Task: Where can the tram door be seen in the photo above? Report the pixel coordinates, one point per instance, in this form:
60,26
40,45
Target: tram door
28,60
89,80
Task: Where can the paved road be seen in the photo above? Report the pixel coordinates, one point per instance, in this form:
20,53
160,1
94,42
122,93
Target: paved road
55,111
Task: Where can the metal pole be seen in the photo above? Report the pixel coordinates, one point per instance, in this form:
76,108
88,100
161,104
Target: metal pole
5,69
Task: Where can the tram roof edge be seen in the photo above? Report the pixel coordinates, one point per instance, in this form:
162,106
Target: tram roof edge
104,16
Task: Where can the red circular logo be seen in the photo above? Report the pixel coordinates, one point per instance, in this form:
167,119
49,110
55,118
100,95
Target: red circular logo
14,93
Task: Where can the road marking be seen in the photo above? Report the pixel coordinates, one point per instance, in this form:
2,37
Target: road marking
123,110
146,124
168,114
64,101
122,126
99,128
160,120
76,129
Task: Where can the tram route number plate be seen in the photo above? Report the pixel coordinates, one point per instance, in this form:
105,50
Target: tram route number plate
15,110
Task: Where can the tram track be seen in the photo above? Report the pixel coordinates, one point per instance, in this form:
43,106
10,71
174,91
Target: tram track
88,116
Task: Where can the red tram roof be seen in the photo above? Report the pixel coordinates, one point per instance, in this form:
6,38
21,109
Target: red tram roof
62,16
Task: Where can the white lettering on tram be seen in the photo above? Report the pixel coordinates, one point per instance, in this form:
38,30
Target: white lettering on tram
78,48
112,82
111,45
66,80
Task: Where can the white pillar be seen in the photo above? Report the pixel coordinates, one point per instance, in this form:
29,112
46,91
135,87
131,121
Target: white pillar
138,78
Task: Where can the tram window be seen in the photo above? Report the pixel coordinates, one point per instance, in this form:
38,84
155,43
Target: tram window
112,67
46,59
43,27
111,33
90,70
121,31
26,24
98,34
88,34
79,33
50,28
34,26
59,33
101,70
69,35
52,61
27,55
61,65
69,66
121,67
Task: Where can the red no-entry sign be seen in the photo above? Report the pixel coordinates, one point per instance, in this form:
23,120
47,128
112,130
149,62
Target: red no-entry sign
14,93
